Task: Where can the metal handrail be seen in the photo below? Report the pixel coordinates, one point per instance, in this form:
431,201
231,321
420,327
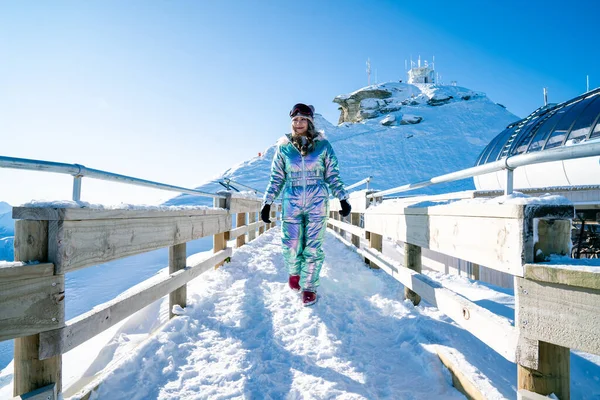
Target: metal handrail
227,180
366,180
79,171
508,163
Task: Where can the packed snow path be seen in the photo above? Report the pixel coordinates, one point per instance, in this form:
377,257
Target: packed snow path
245,334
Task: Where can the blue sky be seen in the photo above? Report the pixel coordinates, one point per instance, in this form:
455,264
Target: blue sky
178,91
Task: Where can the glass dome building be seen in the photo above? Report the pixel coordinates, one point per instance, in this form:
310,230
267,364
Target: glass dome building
574,122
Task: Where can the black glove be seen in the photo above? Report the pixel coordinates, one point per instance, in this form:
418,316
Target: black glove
346,208
265,213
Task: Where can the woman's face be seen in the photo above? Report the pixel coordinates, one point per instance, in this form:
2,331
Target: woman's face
299,125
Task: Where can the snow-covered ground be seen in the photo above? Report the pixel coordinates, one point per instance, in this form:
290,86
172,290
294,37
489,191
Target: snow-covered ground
244,334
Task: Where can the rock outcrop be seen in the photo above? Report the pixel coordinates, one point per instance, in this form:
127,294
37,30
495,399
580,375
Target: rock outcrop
391,100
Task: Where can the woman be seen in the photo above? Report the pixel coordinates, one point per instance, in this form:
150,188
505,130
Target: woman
305,169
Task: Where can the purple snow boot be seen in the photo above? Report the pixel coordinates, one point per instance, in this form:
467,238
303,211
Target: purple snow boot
309,298
294,282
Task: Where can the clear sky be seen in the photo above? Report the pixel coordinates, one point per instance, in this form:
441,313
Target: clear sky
178,91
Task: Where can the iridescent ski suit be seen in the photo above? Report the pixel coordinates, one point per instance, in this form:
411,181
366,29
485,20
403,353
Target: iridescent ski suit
305,182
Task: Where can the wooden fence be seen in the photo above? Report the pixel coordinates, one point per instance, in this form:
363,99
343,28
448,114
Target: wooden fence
557,307
50,242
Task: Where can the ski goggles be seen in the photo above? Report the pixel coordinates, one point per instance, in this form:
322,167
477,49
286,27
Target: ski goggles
302,109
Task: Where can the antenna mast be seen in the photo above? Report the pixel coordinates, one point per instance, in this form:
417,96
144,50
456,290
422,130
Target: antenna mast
587,83
545,96
369,71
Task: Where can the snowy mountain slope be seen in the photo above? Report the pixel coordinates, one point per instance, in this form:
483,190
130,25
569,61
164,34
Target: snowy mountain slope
449,137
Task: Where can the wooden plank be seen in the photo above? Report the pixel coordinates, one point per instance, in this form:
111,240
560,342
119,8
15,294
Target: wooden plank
495,331
474,272
20,270
354,230
79,214
554,237
412,260
242,230
473,209
84,327
252,225
30,306
240,222
460,381
31,373
375,243
31,241
244,204
177,261
44,393
497,243
568,316
219,239
81,244
569,275
355,221
552,374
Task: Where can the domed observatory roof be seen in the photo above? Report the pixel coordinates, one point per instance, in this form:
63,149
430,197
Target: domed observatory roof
574,121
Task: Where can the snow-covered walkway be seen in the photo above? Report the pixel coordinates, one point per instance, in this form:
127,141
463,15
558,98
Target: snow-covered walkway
244,334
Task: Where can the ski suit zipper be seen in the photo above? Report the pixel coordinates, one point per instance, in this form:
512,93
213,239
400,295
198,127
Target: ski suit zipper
303,182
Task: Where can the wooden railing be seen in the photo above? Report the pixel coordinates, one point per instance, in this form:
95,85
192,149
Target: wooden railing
50,242
557,307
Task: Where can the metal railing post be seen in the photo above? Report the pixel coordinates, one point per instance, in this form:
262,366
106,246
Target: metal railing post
509,182
77,187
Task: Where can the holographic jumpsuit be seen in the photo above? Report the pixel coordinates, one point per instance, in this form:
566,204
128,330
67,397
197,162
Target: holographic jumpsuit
305,182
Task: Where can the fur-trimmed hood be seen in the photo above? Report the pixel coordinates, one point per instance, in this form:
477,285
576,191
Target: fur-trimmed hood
287,138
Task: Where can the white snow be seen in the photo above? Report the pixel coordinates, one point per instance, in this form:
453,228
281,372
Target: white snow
119,206
244,334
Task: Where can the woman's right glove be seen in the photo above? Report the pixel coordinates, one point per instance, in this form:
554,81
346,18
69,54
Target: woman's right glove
346,208
265,213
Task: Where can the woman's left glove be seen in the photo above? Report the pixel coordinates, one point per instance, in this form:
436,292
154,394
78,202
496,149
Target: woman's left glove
346,208
265,213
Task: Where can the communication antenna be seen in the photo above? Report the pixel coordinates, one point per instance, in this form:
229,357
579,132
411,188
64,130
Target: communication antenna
419,65
587,83
433,62
545,96
369,72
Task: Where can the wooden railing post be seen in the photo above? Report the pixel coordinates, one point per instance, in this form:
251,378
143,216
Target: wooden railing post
219,242
412,260
336,216
355,220
177,261
552,374
342,232
273,216
375,242
240,221
31,373
474,275
261,229
251,219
